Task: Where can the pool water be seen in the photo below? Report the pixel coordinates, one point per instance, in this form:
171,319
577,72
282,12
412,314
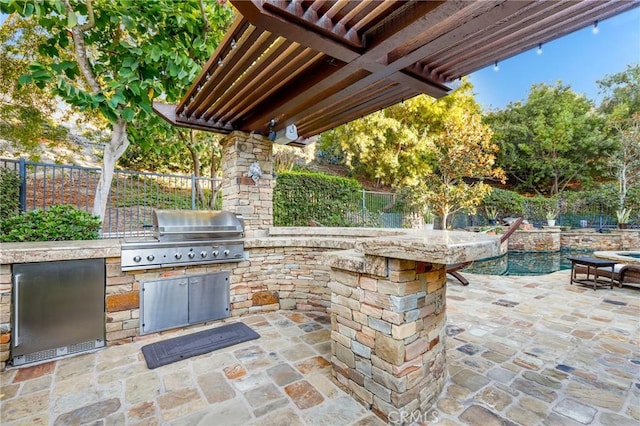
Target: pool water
525,263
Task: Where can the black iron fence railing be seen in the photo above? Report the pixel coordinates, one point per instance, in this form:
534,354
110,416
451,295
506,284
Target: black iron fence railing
132,198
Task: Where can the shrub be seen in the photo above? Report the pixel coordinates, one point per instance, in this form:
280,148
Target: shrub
59,223
9,194
504,203
300,197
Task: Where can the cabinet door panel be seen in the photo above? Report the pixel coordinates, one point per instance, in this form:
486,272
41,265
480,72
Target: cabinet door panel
164,304
208,297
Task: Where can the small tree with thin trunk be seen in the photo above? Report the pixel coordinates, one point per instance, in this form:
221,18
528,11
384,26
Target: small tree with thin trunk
463,156
625,162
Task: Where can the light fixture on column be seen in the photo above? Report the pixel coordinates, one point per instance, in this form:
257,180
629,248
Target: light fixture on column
595,28
495,66
539,51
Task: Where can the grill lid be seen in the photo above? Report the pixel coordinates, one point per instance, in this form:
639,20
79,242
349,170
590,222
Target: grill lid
182,225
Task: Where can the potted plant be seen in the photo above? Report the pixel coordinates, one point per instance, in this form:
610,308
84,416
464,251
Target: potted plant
551,217
492,214
623,217
429,218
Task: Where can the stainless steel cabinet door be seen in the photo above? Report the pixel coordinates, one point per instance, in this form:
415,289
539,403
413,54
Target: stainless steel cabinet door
164,304
208,297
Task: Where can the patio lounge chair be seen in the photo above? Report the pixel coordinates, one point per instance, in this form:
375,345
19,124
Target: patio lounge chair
454,269
622,273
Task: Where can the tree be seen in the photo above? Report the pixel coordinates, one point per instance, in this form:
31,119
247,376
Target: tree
24,111
124,53
621,94
621,108
625,160
463,156
163,151
551,141
389,146
380,147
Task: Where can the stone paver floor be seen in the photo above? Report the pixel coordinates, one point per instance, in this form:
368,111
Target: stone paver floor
520,350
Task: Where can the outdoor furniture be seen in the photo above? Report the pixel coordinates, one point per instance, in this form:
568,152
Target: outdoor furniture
622,273
628,274
593,266
454,269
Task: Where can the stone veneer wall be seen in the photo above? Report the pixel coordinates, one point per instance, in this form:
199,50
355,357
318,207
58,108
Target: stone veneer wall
388,326
241,194
615,240
552,239
535,240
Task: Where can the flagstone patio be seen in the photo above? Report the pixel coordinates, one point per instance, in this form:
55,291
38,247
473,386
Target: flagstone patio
520,350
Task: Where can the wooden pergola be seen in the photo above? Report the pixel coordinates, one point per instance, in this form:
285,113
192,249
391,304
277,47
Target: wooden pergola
319,64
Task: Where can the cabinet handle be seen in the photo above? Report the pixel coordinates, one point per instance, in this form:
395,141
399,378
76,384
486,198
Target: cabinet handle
16,308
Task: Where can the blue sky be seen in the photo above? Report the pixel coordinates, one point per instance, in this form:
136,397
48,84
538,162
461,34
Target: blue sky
578,60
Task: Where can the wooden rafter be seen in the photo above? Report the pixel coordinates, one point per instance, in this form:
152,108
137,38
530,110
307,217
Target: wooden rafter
322,63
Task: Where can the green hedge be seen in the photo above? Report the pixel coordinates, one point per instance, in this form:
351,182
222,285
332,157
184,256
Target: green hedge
301,197
59,223
506,203
572,206
9,194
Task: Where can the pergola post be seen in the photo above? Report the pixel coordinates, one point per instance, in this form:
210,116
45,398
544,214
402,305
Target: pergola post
245,190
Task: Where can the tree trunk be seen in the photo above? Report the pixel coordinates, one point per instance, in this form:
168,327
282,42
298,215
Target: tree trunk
112,151
196,164
622,192
445,216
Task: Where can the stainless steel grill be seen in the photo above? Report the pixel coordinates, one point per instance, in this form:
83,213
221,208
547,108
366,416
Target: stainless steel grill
187,237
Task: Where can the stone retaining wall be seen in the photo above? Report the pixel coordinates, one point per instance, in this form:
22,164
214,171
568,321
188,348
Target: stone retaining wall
552,239
535,240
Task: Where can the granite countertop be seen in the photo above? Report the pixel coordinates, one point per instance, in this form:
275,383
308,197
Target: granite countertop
445,247
49,251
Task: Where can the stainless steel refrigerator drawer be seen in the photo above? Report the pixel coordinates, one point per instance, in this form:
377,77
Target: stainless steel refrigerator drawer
58,309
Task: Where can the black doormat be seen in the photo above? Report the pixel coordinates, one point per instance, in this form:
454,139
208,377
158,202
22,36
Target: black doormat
183,347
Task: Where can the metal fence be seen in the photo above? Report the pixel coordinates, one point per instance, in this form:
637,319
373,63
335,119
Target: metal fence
377,210
134,195
132,198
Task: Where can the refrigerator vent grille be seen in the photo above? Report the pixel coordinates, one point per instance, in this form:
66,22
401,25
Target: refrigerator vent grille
58,352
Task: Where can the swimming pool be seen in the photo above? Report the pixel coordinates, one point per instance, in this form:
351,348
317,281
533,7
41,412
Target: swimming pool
634,255
525,263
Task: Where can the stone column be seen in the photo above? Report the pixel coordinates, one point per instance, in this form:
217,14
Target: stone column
242,194
388,332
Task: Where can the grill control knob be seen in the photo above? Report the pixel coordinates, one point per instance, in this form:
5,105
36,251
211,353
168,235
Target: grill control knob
226,252
191,255
137,258
215,253
150,257
203,254
178,255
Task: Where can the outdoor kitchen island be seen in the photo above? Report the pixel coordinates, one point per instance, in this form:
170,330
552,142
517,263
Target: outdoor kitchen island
385,289
388,317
